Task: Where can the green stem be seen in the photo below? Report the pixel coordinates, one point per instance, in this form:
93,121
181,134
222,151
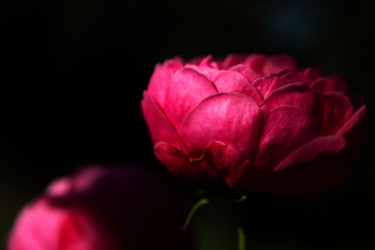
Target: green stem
197,205
241,239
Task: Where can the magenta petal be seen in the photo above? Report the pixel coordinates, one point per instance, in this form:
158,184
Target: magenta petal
179,163
256,62
247,72
188,88
275,64
161,79
158,125
312,169
294,94
233,59
233,119
333,110
332,83
266,85
224,163
233,82
208,72
286,128
354,127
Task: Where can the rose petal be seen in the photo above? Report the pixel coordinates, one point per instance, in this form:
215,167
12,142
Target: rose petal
179,163
332,83
208,72
265,65
285,129
332,111
188,88
233,82
256,62
247,72
233,119
233,59
311,169
275,64
158,125
161,79
266,85
307,76
354,126
223,162
294,94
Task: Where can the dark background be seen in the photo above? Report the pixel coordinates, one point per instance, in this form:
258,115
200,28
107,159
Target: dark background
73,73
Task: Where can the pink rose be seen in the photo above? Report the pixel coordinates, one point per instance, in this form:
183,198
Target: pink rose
101,209
254,122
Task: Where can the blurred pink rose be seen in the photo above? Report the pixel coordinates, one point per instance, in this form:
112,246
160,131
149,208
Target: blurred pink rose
254,122
102,209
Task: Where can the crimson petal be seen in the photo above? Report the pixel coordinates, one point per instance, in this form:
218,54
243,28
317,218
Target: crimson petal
294,94
233,119
161,79
179,163
286,129
233,82
159,126
188,88
333,110
310,170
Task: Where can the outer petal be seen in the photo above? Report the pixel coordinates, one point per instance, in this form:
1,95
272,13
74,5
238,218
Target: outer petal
188,88
233,82
285,130
294,94
332,83
208,72
179,163
161,79
275,64
332,111
224,163
233,119
246,71
232,60
158,125
312,169
265,65
266,85
307,76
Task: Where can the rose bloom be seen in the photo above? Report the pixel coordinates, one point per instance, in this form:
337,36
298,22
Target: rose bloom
102,209
254,122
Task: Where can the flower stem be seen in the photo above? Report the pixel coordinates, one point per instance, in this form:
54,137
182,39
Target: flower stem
197,205
241,239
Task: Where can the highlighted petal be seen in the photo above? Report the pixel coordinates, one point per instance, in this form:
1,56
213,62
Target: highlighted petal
179,163
188,88
233,82
161,79
294,94
233,119
158,125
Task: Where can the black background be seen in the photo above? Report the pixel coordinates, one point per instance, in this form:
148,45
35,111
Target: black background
73,73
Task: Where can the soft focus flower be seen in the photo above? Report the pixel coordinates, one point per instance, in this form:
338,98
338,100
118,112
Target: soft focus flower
102,209
254,122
